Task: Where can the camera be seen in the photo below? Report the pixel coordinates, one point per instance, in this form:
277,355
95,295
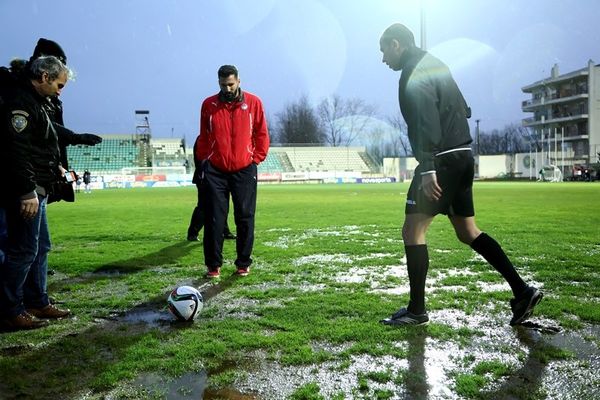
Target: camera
69,176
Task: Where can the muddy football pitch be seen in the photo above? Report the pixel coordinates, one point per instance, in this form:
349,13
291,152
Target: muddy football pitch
329,264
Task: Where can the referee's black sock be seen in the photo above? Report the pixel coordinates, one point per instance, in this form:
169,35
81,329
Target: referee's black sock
417,261
493,253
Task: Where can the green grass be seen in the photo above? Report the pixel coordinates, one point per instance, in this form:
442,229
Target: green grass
118,250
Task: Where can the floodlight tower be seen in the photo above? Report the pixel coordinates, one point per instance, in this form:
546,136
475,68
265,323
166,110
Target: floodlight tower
142,124
143,135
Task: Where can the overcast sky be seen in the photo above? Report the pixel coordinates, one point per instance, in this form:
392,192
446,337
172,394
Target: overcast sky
162,55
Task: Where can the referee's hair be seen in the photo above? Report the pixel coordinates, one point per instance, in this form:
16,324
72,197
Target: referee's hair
401,33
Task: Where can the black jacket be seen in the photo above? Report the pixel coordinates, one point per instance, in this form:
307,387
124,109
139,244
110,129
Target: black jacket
433,107
66,137
29,153
53,107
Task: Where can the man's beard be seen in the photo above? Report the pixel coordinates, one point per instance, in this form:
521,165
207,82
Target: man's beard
230,96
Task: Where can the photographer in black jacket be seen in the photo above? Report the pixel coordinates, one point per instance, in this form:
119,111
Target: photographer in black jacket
54,108
29,170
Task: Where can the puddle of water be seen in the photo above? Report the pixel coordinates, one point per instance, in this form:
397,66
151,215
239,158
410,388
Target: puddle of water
301,287
153,318
435,361
287,241
396,291
190,386
575,342
492,287
159,316
318,259
428,359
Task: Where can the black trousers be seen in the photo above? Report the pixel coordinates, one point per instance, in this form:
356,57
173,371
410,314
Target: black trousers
216,189
197,220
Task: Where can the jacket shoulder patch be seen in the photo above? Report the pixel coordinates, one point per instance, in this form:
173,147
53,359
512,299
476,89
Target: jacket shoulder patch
20,112
19,120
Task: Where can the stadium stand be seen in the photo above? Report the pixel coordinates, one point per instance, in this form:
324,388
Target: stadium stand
126,151
272,164
118,152
114,153
324,159
168,152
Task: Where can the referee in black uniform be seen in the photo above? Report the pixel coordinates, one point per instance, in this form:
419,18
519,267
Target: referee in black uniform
436,115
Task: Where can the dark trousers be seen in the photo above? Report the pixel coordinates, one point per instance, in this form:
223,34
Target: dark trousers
24,272
197,220
3,234
217,186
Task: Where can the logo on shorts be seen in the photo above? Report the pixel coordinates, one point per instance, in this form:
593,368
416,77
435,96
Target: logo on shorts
411,202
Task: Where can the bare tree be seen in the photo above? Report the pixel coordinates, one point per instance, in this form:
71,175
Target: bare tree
513,138
399,138
343,120
377,144
298,123
390,142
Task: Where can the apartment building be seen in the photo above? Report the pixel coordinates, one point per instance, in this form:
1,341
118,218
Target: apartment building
566,117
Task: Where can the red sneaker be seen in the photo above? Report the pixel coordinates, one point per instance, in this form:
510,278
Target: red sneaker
242,271
213,273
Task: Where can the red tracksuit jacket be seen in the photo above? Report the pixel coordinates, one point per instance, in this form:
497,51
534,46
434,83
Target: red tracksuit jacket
232,135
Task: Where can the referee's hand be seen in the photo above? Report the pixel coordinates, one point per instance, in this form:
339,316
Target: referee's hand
430,187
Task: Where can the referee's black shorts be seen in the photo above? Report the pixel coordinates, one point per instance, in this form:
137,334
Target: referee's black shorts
454,171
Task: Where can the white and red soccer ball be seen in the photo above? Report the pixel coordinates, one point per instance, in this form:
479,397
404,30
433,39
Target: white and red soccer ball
185,303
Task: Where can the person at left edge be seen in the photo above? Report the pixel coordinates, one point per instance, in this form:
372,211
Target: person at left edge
53,104
18,71
233,140
29,168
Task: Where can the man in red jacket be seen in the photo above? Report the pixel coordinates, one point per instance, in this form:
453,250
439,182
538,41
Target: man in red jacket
233,140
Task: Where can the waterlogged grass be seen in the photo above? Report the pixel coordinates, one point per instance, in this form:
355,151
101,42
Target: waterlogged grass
310,391
121,250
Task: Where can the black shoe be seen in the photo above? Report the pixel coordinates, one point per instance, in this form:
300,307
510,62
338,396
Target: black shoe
403,317
522,308
192,238
229,235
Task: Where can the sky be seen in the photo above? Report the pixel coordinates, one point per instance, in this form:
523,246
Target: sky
163,55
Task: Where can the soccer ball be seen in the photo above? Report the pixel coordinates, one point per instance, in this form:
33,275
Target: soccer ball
185,303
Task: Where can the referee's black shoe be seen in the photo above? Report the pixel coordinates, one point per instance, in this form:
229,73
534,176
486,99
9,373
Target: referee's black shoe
523,306
403,317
